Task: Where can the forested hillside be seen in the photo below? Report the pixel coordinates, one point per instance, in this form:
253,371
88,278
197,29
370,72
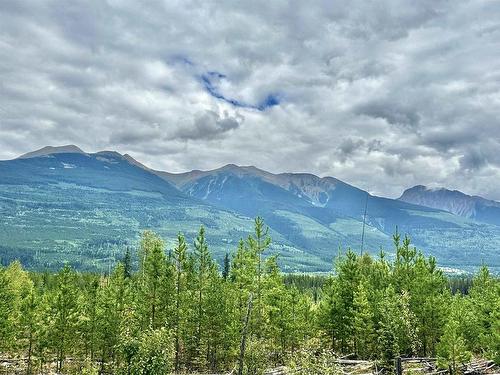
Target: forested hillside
174,310
64,206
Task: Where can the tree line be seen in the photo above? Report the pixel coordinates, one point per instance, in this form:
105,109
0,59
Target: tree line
178,311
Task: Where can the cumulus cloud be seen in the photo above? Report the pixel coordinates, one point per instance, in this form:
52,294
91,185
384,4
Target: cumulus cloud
383,95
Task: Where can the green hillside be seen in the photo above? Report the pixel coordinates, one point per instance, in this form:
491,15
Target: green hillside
85,209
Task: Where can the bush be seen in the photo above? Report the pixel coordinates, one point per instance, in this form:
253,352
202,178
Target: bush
155,354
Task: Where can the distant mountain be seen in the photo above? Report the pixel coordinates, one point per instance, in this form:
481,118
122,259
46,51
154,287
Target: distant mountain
86,208
60,204
321,213
454,201
49,150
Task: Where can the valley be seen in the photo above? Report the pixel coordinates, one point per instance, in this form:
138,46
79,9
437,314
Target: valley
62,205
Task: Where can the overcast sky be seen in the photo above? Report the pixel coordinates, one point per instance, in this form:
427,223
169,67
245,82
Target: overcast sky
381,94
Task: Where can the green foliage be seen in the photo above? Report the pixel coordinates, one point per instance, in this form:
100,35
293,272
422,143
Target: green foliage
452,349
7,311
154,355
317,361
179,313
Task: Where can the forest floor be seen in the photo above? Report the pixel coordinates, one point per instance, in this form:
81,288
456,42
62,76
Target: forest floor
417,366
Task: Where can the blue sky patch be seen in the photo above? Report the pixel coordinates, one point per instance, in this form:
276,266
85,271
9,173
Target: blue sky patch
207,79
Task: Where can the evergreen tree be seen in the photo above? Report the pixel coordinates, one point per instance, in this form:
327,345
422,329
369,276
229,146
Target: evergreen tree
153,274
277,310
87,322
452,350
28,325
364,331
180,259
329,312
154,353
258,243
64,315
389,331
227,267
7,308
113,300
127,264
179,313
203,266
347,280
218,316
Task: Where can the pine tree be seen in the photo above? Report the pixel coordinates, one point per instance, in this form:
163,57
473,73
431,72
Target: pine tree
329,312
113,300
452,350
364,331
347,280
64,315
389,331
87,322
277,309
20,286
28,325
227,267
7,312
203,264
180,257
258,244
218,315
127,264
153,274
483,305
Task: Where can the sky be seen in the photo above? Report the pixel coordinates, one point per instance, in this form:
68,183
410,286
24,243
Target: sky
381,94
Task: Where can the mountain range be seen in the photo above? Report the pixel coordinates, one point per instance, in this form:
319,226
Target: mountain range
61,204
456,202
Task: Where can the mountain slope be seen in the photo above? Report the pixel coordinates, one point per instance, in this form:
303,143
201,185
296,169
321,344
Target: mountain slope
454,201
62,204
324,213
86,208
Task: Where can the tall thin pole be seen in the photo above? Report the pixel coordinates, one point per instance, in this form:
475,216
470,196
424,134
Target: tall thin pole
364,223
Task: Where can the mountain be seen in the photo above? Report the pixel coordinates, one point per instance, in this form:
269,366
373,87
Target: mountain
49,150
65,205
85,208
318,213
454,201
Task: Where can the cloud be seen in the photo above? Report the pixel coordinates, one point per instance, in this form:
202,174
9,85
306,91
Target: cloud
406,117
209,125
473,160
383,95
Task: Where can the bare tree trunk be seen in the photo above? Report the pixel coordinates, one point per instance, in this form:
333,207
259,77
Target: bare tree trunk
30,349
177,320
244,335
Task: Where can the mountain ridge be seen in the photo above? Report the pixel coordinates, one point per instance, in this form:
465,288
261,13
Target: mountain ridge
50,150
310,217
454,201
